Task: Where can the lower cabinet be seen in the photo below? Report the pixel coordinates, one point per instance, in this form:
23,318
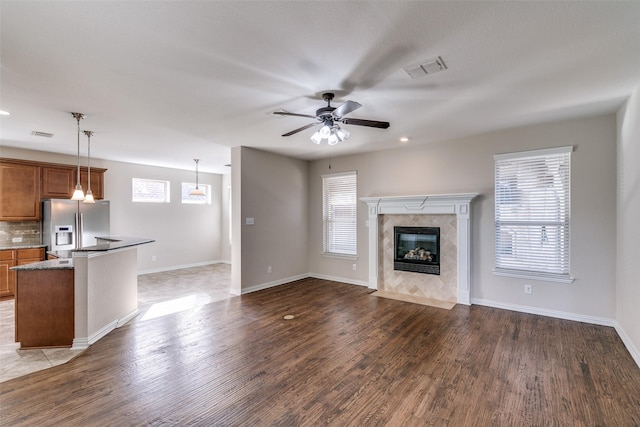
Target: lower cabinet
45,308
11,258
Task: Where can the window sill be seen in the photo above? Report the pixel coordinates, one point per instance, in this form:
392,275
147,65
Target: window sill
340,256
534,276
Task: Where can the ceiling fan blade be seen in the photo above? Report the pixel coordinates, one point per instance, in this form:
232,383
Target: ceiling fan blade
362,122
300,129
286,113
346,108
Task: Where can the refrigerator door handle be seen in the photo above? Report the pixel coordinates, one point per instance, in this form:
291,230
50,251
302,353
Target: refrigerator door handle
79,228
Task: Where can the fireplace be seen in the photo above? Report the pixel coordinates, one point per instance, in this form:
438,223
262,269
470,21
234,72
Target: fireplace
417,249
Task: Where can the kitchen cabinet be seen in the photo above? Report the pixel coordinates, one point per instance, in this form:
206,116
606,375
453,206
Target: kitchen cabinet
19,191
44,308
59,182
11,258
24,183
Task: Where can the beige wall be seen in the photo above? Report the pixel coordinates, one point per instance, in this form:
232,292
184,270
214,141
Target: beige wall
274,194
628,279
466,166
185,234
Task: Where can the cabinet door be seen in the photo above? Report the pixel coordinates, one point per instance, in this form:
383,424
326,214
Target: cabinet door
97,184
58,183
19,192
7,279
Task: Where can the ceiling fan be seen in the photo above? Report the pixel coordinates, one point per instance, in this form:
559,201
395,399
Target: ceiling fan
329,117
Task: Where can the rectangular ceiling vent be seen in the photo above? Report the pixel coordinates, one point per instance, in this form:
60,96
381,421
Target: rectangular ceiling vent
43,134
426,68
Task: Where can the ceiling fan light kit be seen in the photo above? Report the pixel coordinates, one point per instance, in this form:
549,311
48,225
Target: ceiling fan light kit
329,117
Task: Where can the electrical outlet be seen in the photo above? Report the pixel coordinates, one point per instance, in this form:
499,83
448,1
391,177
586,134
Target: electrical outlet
269,269
353,267
16,239
153,257
528,289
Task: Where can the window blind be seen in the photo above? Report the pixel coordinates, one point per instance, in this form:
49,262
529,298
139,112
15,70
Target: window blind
533,212
339,203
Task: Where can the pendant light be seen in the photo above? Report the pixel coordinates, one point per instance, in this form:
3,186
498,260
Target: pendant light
197,191
88,198
78,194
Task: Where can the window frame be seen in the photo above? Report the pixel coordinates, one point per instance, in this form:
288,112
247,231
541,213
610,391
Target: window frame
330,241
530,208
190,186
166,190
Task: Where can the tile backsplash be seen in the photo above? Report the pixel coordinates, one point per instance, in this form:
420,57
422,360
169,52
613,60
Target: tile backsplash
29,231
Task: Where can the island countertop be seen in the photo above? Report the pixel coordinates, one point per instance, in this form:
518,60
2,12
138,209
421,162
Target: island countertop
65,260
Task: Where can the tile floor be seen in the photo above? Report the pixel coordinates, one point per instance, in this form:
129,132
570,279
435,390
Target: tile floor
159,294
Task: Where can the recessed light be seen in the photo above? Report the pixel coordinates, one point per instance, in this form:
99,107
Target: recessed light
4,113
404,139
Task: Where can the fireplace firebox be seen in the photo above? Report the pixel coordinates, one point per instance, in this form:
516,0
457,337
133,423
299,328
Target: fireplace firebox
417,249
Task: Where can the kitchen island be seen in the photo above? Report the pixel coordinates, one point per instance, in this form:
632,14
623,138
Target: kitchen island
98,292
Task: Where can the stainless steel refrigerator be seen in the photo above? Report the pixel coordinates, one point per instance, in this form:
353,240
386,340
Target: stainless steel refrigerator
68,224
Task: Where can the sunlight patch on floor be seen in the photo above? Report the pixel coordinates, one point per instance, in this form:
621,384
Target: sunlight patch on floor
175,306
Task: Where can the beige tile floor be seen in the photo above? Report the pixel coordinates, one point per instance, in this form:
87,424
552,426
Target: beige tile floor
159,294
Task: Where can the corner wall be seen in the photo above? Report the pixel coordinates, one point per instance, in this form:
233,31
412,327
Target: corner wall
628,212
467,166
273,195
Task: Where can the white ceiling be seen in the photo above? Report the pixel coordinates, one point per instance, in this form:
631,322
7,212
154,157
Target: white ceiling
163,82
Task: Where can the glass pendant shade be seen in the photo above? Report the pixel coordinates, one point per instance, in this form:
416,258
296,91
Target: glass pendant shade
88,198
78,194
316,138
197,191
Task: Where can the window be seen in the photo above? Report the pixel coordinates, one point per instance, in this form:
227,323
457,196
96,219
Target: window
532,214
149,191
188,187
339,203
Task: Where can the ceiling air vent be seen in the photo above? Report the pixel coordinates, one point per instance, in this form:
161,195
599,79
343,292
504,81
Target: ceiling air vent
426,68
43,134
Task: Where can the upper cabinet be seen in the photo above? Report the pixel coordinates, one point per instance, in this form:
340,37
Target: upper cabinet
23,184
19,192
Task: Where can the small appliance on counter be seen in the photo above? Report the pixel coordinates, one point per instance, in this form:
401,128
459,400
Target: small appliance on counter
68,224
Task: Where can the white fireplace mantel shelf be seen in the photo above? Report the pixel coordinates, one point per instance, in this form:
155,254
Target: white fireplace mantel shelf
436,204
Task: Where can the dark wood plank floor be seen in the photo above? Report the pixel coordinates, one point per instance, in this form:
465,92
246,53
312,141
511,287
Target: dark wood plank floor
348,358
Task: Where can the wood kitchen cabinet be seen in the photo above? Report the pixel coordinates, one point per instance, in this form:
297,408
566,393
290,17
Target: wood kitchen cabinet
59,182
24,183
11,258
19,191
44,308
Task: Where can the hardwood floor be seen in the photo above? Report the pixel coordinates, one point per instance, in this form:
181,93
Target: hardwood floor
347,358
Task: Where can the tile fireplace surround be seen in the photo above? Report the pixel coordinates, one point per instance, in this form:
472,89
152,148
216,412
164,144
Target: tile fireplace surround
422,209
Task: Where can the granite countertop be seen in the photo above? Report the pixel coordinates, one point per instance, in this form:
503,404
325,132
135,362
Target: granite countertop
12,246
65,258
110,243
53,264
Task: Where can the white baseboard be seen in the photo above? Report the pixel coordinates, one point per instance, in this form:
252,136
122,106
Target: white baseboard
545,312
178,267
93,338
125,319
339,279
603,321
273,284
633,350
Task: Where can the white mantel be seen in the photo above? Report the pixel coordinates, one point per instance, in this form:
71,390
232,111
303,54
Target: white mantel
457,204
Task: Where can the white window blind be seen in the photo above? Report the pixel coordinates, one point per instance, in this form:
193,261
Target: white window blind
532,213
339,203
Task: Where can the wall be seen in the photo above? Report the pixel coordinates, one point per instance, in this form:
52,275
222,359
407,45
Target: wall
274,194
628,248
185,235
467,166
